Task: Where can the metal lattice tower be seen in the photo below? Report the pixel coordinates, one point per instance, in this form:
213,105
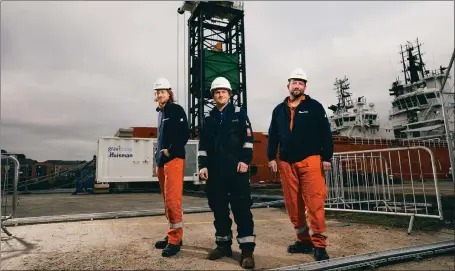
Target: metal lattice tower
216,47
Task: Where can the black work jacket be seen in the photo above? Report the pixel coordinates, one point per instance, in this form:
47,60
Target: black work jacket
173,133
226,138
310,134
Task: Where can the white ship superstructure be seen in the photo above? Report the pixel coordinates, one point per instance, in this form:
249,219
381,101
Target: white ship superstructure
355,119
417,107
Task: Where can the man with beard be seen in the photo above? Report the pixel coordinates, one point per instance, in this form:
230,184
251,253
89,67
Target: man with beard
225,152
300,127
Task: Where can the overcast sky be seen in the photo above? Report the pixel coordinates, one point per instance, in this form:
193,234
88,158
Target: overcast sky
72,72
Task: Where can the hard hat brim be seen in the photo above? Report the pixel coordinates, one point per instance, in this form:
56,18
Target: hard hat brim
298,79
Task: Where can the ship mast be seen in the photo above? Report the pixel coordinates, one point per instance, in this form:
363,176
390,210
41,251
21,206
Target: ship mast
344,97
415,70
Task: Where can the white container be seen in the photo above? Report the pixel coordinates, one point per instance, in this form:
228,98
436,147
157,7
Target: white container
124,160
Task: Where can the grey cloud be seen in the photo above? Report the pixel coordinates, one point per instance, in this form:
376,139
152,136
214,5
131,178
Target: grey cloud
367,53
75,71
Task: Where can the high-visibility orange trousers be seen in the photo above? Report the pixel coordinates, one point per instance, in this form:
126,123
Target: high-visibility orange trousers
304,189
171,183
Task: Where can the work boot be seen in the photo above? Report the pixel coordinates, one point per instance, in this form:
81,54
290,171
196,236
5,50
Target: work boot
163,243
220,252
300,247
320,254
170,250
247,259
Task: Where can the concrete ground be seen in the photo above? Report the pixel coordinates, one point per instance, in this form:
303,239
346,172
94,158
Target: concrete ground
32,205
128,244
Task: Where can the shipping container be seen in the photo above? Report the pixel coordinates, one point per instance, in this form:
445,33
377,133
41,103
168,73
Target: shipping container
125,160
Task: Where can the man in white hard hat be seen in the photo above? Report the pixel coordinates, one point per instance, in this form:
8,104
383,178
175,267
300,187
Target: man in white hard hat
173,134
225,152
300,128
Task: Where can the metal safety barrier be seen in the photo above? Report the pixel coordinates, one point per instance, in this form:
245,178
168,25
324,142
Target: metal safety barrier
5,178
396,181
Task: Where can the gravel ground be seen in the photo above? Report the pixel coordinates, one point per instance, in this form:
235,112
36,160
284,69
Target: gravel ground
128,244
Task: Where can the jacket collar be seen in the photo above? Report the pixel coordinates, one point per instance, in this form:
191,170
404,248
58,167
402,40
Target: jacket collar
227,109
158,109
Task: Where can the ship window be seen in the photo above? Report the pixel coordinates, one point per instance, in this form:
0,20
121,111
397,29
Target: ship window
397,133
374,117
352,118
408,102
414,101
346,118
422,99
430,96
403,105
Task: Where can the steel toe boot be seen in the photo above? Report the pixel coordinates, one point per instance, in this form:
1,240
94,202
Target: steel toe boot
163,243
247,259
219,252
170,250
320,254
300,247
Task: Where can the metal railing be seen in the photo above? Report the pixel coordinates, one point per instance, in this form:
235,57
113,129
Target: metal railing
435,143
394,181
4,191
397,181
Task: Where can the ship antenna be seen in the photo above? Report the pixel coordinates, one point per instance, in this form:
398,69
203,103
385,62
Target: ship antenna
406,79
344,97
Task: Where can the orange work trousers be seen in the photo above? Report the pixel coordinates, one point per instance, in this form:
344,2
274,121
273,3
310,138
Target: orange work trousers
304,189
171,183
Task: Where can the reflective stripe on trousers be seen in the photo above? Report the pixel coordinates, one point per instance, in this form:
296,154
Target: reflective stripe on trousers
301,230
171,183
246,239
176,225
223,238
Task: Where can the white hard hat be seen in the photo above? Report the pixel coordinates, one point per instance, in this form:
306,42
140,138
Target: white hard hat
161,83
220,82
298,74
